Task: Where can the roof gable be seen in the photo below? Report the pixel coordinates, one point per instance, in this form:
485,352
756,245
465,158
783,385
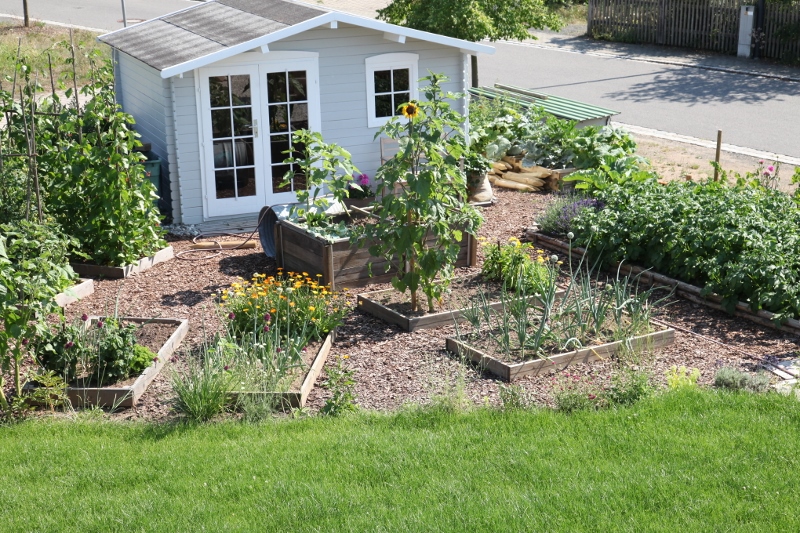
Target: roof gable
212,31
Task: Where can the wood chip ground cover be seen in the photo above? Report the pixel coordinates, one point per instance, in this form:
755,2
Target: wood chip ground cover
393,368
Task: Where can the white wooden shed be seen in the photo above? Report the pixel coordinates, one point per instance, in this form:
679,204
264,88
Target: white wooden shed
218,88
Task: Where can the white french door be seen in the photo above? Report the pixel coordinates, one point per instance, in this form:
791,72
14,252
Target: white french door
249,113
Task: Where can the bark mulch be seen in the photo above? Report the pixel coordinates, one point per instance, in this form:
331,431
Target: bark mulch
392,367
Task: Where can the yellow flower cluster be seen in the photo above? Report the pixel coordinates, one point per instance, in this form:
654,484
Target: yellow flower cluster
261,284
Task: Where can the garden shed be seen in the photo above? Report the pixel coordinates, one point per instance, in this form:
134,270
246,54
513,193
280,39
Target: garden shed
218,88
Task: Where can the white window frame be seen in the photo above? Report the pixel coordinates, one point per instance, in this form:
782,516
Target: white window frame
389,62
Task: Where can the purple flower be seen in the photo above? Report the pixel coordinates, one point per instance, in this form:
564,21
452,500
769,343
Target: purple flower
84,317
563,223
592,396
231,316
267,317
225,368
99,324
24,342
771,168
278,349
69,345
363,180
155,359
265,328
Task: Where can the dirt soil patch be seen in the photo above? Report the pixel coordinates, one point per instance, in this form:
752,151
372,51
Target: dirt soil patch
392,367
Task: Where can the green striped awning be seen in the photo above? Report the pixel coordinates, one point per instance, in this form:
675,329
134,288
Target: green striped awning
555,105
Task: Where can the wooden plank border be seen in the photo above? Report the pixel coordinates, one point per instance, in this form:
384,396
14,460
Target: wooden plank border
81,289
556,363
366,303
128,396
682,289
296,398
146,263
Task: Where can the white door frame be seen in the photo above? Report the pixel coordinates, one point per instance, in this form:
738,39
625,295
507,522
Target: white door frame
257,68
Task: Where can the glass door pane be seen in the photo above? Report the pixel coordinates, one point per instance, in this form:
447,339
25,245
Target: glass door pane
233,129
287,102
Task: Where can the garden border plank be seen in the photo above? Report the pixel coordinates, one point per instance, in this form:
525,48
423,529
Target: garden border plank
298,398
682,289
410,324
112,272
129,395
510,372
72,294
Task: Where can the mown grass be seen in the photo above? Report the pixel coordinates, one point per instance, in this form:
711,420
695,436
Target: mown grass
36,42
684,461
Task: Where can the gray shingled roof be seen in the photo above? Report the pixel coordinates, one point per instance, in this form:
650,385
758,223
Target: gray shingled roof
201,30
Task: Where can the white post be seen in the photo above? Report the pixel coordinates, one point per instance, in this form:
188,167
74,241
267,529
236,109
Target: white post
124,17
746,31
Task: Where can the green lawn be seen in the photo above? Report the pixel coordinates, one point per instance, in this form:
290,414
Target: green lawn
684,461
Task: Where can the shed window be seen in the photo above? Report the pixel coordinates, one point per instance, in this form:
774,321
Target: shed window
391,82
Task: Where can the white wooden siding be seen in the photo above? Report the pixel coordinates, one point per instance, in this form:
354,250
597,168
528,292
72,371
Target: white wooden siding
342,92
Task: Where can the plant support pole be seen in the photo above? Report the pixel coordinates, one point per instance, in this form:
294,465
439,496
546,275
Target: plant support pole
716,157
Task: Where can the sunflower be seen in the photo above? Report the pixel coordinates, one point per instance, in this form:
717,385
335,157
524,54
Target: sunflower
410,110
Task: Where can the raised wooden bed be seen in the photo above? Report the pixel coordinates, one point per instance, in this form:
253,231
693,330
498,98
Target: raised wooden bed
368,302
127,396
296,397
340,263
81,289
684,290
146,263
512,371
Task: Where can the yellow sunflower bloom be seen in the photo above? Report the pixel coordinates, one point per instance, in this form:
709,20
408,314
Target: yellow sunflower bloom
410,110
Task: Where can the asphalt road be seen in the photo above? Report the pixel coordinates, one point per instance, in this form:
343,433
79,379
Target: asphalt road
752,112
99,14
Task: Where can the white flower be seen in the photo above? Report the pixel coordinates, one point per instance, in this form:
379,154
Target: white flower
570,235
553,258
289,290
279,290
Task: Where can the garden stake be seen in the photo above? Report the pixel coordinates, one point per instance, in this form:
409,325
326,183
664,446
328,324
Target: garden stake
716,158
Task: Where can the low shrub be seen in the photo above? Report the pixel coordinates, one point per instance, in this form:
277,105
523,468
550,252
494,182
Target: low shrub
558,216
682,377
733,379
739,241
99,353
513,264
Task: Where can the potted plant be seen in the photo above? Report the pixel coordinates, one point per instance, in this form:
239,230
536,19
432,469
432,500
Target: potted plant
360,194
476,166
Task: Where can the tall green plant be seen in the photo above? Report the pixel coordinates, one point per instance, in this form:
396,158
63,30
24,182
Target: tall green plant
98,190
33,269
418,228
324,165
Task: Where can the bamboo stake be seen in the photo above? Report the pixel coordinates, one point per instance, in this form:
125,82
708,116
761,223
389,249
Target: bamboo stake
52,80
33,161
28,143
716,158
75,84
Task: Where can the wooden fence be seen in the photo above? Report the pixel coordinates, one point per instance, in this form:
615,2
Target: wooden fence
698,24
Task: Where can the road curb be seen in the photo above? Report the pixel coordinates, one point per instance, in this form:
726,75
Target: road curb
645,59
731,148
